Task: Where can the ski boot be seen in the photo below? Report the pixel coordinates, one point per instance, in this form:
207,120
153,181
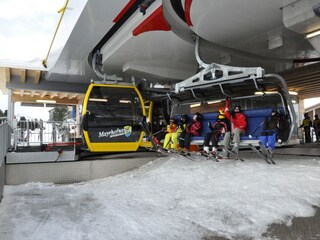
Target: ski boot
270,151
235,149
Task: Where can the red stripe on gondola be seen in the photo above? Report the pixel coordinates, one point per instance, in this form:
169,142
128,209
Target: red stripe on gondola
187,7
124,10
154,22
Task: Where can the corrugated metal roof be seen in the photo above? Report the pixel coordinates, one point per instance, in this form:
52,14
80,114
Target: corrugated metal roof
304,80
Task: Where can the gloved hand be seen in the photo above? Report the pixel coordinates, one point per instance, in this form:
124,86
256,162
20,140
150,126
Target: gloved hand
227,104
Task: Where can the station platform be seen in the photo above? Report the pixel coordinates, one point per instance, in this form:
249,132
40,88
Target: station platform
306,149
44,167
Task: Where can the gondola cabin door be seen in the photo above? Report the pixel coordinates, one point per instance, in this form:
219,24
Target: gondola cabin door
111,115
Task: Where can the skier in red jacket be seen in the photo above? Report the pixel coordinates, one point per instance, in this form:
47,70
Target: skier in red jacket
239,125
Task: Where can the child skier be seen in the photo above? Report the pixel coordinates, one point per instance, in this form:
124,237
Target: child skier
171,138
220,126
192,130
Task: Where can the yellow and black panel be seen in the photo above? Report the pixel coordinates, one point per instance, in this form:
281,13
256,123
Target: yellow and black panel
111,118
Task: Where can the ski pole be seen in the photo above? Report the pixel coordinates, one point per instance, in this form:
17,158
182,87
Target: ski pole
250,135
158,132
145,128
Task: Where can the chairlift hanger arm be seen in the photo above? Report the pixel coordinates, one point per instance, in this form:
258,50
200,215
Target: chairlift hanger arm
288,103
97,67
216,74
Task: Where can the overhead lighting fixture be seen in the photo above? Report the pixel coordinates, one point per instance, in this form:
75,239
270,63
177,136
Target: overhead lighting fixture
195,105
261,93
271,92
124,101
45,101
293,93
98,100
213,102
313,34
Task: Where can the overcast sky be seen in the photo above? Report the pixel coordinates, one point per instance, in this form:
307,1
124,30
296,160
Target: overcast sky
27,28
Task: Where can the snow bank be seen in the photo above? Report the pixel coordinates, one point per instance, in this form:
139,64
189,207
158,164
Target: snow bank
172,198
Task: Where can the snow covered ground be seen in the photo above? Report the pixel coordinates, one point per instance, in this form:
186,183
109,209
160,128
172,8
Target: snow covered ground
169,198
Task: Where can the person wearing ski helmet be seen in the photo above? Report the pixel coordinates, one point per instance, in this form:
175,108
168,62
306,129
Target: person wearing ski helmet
194,129
306,125
219,127
184,121
239,125
271,129
171,140
316,126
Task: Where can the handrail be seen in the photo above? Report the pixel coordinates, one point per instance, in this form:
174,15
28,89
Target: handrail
37,133
289,102
63,9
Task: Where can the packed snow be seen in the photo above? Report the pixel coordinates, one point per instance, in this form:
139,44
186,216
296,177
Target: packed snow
169,198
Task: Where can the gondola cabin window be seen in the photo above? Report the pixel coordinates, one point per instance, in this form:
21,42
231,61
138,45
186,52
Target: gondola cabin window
114,114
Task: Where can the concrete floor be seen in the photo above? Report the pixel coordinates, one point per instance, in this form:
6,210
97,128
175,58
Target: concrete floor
306,149
306,228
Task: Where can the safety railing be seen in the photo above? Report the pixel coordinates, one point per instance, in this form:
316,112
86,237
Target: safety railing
36,133
5,137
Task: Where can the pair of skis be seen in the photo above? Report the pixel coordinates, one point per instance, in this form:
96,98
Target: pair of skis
193,156
263,153
189,155
215,158
208,156
156,147
234,155
186,154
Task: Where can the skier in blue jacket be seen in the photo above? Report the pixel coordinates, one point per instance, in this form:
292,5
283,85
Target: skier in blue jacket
271,128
